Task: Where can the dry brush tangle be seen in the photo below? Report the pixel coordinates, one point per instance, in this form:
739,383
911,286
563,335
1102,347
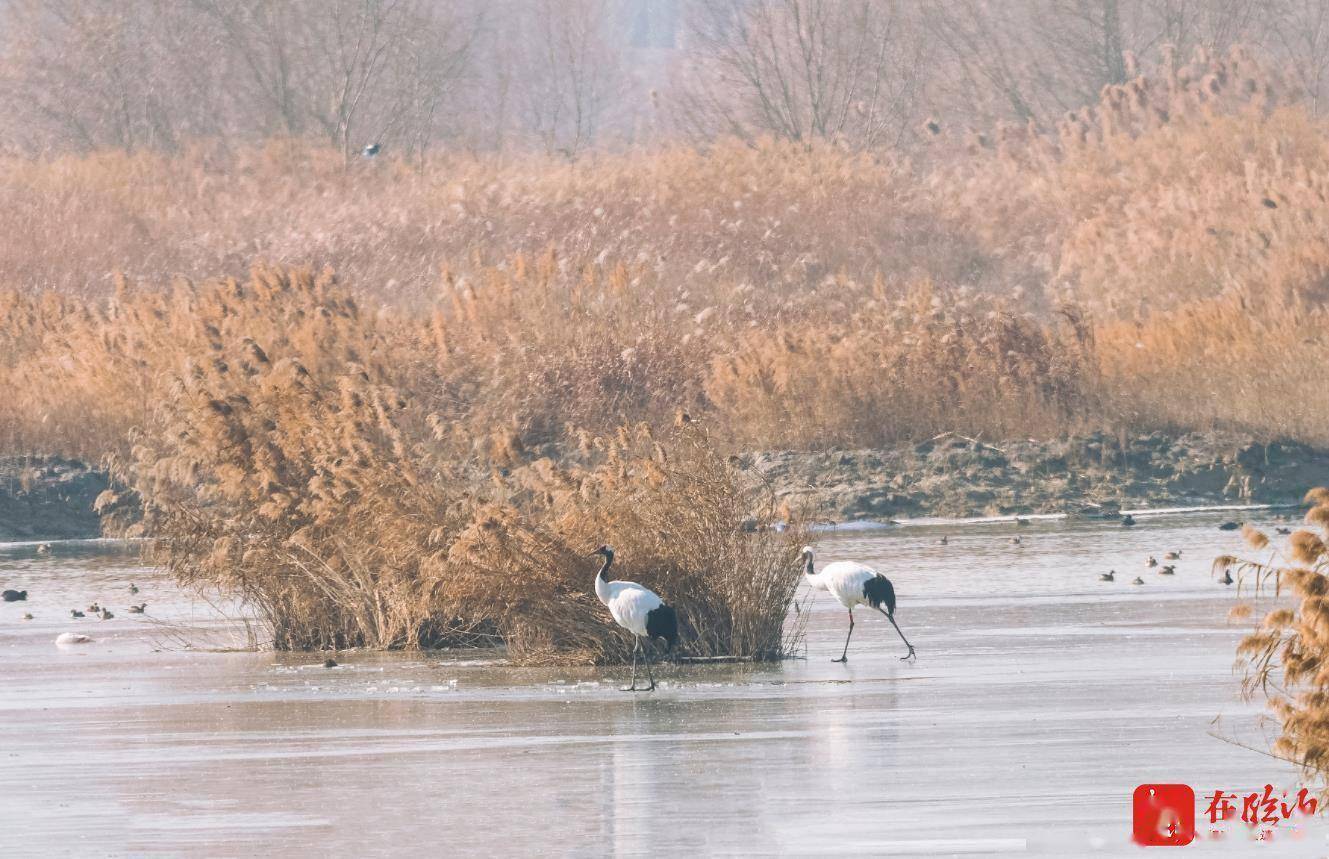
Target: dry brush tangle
310,458
1287,654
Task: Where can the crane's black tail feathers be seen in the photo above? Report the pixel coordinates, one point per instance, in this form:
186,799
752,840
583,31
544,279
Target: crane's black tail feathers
662,622
879,592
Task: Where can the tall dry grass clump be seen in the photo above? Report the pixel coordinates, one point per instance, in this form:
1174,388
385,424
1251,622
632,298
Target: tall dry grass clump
1172,369
1288,653
1200,179
904,367
313,458
773,215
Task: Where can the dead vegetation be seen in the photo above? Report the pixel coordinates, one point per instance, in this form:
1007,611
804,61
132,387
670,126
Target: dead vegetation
420,454
1122,270
322,463
1288,652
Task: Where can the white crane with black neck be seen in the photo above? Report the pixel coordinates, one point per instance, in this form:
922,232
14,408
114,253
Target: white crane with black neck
638,610
854,584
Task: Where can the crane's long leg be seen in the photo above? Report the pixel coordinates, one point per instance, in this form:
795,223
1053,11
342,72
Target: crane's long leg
844,657
636,642
910,654
650,646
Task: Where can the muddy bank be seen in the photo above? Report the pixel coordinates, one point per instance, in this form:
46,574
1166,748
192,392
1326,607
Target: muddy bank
50,498
1094,474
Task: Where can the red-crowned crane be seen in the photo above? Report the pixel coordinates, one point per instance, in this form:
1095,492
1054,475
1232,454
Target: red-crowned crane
638,610
855,584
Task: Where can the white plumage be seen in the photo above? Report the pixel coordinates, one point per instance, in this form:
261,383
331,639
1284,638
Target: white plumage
844,580
638,610
854,584
629,603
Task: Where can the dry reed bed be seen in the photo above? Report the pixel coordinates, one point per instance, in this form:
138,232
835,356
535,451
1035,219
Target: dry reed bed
1129,268
1160,192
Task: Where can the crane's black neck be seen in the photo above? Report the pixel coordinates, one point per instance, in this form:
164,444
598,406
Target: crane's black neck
604,568
807,566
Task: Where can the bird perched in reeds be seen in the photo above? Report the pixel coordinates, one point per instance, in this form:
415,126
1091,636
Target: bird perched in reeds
1109,576
1128,521
855,584
1168,570
1173,556
1151,562
638,610
14,596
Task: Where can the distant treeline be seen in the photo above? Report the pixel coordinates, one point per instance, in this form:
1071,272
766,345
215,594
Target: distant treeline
566,76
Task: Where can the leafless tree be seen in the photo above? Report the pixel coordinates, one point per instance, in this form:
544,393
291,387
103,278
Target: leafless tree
337,66
99,73
800,69
1038,58
265,36
352,44
565,69
1300,30
426,69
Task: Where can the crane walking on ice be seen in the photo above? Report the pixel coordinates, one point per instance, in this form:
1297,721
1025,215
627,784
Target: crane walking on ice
854,584
639,611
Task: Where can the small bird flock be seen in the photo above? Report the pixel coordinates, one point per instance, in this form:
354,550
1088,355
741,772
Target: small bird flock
10,595
1151,562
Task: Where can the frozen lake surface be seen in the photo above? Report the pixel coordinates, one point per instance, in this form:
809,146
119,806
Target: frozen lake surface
1040,698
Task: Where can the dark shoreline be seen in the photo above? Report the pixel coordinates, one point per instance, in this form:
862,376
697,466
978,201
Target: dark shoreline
49,498
1094,474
